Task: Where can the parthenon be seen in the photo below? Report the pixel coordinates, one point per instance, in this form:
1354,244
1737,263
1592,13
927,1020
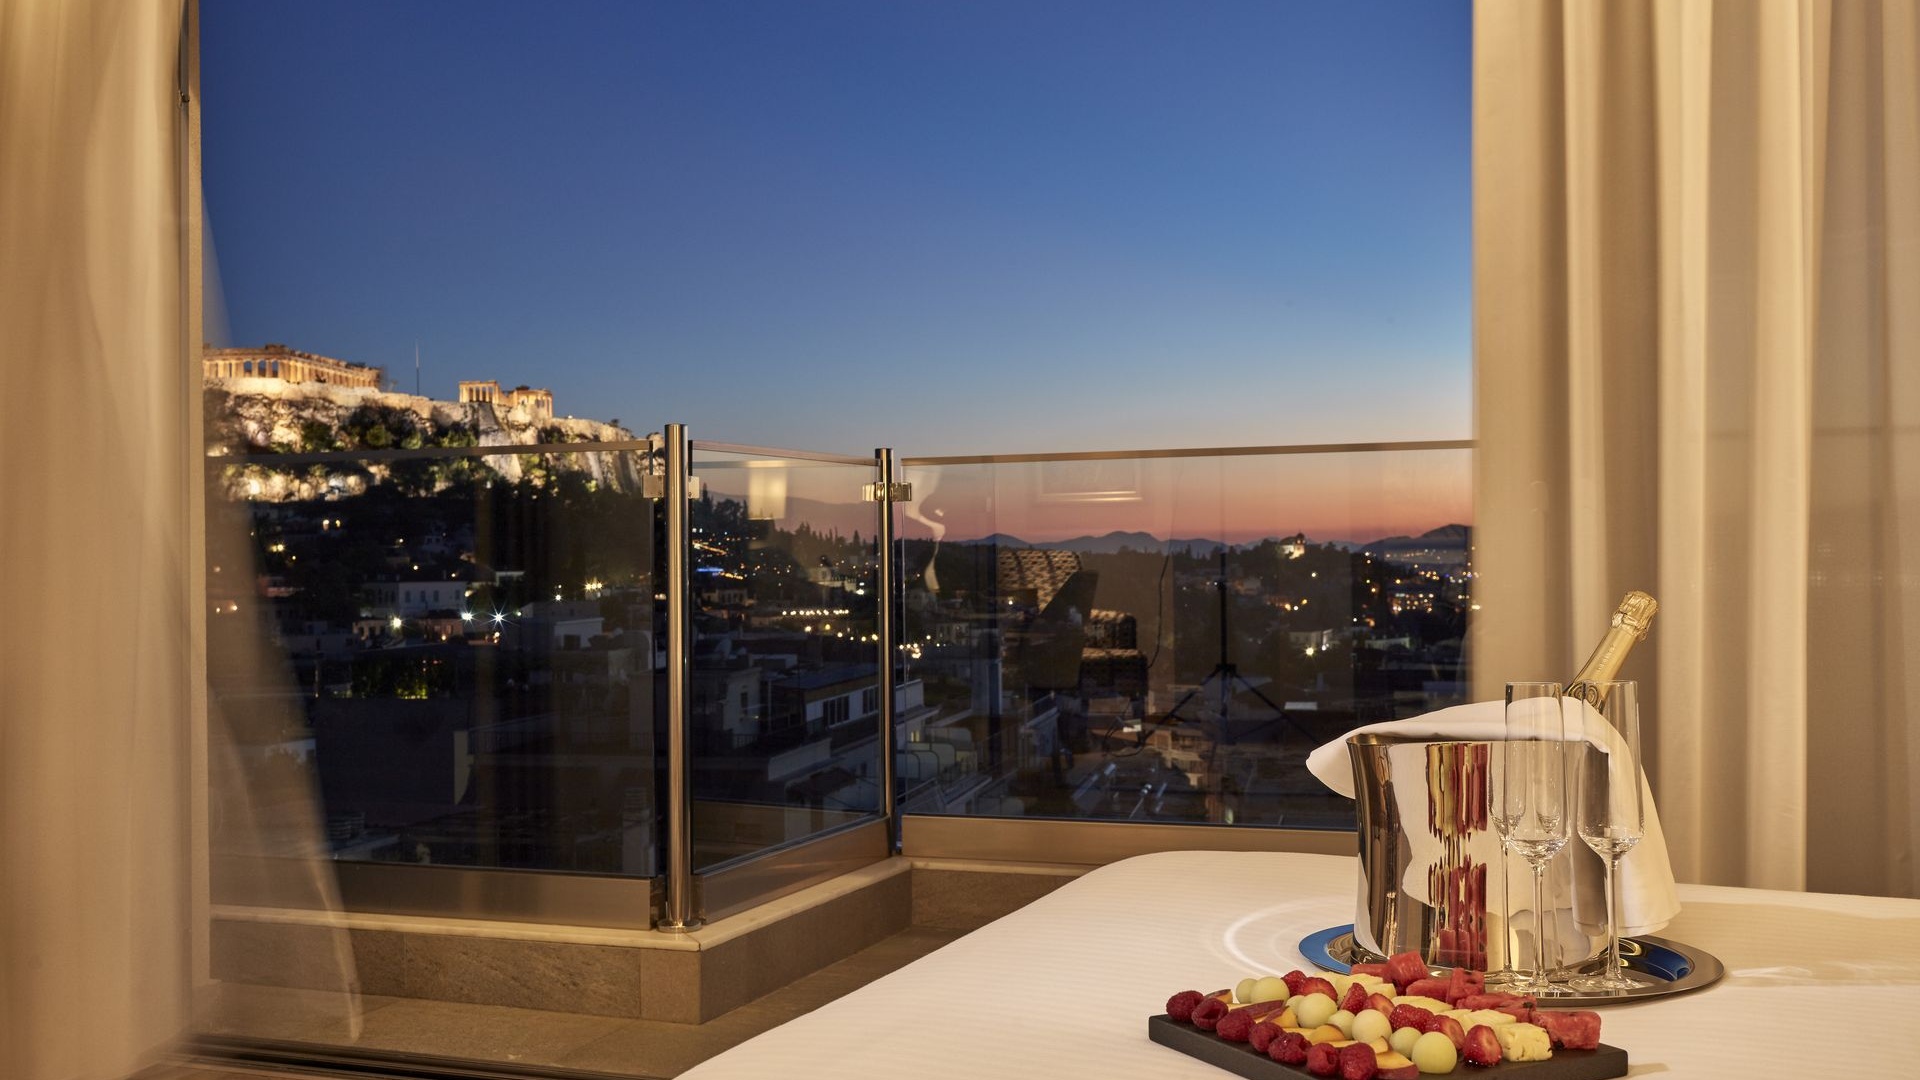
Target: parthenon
537,402
275,361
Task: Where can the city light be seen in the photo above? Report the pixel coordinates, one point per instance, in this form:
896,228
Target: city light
466,616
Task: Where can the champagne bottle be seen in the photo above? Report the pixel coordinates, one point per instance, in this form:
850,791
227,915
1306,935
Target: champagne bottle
1630,623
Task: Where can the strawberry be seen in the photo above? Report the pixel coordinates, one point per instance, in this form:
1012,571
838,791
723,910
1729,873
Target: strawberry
1317,986
1483,1046
1356,1000
1448,1026
1412,1016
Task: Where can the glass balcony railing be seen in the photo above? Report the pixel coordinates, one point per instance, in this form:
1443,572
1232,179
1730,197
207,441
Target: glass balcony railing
459,649
1164,637
785,695
464,655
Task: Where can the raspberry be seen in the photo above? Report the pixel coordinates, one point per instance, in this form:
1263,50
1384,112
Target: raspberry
1288,1048
1180,1006
1483,1046
1412,1016
1262,1036
1357,1062
1208,1013
1323,1059
1235,1026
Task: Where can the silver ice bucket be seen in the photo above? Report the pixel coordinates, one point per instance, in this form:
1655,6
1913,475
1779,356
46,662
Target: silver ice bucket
1433,873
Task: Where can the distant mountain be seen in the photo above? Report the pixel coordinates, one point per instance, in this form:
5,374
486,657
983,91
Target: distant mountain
1110,544
1444,541
1446,536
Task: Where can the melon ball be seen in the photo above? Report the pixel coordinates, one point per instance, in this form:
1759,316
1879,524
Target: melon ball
1433,1052
1402,1040
1270,988
1371,1025
1315,1010
1243,990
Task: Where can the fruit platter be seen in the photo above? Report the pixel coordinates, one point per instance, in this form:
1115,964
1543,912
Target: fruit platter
1391,1021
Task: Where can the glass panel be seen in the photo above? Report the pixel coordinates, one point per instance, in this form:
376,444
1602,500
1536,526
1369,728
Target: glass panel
1166,638
459,651
785,689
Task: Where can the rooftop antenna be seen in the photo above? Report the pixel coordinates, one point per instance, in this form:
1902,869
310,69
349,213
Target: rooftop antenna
416,367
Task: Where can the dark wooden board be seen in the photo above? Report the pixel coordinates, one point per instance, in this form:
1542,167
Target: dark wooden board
1240,1060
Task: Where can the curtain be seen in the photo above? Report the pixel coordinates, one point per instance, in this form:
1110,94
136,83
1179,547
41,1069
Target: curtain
1697,268
94,539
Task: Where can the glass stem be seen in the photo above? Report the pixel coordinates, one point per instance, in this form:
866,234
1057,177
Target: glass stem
1539,923
1613,918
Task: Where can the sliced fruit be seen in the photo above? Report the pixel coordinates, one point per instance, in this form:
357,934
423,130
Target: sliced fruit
1380,1003
1483,1046
1319,986
1326,1033
1448,1026
1410,1016
1356,999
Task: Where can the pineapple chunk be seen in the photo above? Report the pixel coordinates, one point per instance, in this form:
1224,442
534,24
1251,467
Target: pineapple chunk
1523,1042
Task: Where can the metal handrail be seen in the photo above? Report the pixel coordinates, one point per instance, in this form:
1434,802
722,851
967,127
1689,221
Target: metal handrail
703,446
1191,452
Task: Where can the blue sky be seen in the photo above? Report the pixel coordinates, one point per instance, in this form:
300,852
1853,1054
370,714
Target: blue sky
944,227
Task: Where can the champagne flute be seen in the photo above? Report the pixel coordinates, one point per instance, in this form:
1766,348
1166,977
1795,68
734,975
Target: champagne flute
1611,815
1532,816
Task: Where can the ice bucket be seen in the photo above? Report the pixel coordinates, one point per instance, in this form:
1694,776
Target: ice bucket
1432,871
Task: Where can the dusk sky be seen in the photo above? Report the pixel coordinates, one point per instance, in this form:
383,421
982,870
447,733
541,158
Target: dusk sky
950,228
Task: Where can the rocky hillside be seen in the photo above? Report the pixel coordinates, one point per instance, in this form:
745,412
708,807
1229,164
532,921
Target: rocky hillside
248,416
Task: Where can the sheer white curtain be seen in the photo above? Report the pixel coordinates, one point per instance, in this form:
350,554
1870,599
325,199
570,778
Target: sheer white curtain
1697,300
94,539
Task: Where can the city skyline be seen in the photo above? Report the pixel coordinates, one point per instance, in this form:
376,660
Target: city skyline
948,230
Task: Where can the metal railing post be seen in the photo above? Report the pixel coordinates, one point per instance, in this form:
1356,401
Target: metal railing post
677,909
889,650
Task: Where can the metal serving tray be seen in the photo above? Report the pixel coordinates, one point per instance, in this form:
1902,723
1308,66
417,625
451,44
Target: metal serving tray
1662,966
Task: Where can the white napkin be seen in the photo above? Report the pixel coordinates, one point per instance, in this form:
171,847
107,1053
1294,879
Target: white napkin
1648,899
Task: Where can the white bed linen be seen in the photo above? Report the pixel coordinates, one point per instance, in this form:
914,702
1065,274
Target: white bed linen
1816,985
